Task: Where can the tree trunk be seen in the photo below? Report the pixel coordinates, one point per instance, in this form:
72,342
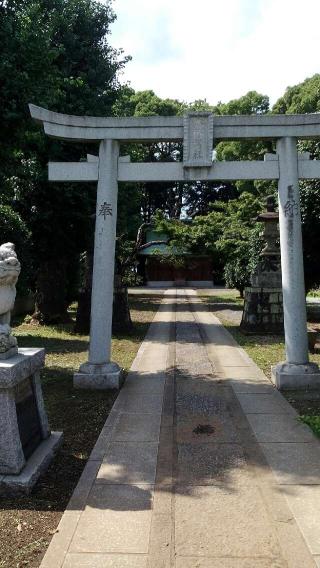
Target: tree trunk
84,301
121,321
51,303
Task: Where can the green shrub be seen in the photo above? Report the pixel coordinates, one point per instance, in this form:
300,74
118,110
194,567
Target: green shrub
313,422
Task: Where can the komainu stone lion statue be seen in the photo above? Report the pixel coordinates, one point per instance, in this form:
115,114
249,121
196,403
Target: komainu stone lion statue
9,272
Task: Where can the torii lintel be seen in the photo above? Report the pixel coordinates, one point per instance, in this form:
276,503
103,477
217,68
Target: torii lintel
94,129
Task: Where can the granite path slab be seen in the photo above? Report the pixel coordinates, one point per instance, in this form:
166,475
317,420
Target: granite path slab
201,463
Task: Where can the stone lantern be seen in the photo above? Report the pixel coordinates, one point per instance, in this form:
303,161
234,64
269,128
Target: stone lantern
263,307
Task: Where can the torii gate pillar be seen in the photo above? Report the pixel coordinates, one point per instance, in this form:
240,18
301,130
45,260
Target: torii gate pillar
99,372
296,371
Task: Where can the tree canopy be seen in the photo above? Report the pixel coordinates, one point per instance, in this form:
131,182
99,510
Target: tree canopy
55,54
300,99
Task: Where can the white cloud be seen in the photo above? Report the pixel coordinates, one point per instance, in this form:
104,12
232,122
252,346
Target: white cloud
216,49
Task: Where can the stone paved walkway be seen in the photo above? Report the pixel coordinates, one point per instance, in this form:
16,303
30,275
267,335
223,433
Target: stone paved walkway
201,463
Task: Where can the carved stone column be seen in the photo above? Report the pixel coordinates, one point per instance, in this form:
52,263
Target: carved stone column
99,372
296,371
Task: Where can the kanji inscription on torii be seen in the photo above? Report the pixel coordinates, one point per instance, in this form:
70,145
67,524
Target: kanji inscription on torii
105,209
291,207
198,139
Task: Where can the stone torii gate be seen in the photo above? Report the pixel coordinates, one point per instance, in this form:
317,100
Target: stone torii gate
197,131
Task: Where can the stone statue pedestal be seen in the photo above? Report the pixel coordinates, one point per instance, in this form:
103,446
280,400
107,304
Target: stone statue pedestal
26,442
263,311
263,304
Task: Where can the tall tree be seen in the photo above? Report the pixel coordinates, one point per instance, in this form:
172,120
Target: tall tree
228,233
165,196
250,103
198,197
68,66
178,198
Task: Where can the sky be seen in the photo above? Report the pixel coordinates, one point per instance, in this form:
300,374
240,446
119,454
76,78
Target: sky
217,49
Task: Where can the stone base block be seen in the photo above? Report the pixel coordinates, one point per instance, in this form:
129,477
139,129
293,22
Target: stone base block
95,376
262,311
289,376
35,466
23,418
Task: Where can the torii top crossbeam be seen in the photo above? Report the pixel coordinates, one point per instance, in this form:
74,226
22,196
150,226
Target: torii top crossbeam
92,128
197,131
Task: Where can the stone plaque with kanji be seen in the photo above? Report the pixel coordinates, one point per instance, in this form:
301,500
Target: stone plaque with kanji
27,417
198,139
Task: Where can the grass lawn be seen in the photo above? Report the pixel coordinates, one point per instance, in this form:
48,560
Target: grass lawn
264,350
314,293
27,523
